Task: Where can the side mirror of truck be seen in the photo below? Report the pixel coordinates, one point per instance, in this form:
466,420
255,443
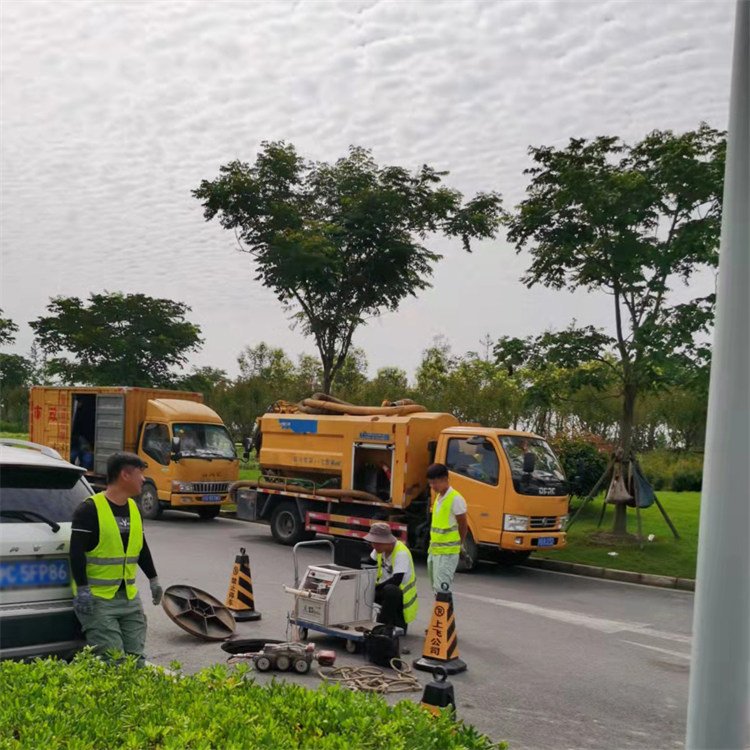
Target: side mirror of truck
529,463
247,444
175,449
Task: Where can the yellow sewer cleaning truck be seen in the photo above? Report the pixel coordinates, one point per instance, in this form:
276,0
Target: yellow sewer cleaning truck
331,467
190,456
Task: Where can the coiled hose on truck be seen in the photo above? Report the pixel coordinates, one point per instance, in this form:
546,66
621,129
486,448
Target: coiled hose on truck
322,403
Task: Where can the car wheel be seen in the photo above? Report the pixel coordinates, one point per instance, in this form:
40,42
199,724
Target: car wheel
351,647
148,502
283,663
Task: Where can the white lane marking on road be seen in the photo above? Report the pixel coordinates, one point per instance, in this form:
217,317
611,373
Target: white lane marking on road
577,618
677,637
660,650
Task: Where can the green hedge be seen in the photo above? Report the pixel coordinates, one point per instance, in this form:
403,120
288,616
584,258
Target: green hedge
88,705
673,470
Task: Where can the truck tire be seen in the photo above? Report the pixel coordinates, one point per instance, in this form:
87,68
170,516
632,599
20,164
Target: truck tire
286,524
468,562
148,502
206,514
508,558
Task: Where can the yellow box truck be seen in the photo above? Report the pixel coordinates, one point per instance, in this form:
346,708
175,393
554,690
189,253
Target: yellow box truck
190,456
327,473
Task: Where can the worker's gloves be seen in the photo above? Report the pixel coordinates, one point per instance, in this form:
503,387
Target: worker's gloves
83,601
156,590
465,558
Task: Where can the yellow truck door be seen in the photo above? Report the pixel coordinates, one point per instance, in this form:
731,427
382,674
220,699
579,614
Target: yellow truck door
474,467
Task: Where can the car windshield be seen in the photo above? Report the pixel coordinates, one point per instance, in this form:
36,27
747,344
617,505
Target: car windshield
546,479
204,440
51,493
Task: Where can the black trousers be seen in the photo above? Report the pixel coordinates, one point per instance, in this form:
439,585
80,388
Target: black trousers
391,601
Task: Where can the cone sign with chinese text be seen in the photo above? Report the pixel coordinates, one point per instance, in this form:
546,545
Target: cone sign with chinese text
240,599
441,642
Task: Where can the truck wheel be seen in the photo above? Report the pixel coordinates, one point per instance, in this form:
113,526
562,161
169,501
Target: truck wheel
286,524
508,558
148,502
468,562
206,514
283,663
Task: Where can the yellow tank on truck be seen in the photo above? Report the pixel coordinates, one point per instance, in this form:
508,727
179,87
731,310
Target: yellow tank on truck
386,456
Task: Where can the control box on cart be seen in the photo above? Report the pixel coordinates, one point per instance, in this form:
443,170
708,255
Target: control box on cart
331,594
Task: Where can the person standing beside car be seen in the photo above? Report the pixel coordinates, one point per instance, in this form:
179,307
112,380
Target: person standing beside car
107,545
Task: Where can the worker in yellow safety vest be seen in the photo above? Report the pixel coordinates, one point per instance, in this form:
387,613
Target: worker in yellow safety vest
447,530
396,587
106,548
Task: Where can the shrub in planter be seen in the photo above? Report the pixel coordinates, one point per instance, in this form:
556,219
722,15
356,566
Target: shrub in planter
88,705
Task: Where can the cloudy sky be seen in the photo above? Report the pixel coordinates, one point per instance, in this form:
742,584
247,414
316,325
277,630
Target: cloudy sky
113,111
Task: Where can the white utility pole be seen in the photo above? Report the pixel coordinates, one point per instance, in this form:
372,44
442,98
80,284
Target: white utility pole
719,703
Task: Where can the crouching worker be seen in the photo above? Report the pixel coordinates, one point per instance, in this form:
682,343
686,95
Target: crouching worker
396,589
106,547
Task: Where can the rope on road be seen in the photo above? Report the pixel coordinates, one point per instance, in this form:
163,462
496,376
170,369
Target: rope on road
373,679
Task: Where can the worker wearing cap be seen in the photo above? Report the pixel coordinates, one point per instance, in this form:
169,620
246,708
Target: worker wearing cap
448,529
396,589
106,547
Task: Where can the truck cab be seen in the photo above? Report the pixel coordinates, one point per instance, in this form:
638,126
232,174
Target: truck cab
514,486
190,456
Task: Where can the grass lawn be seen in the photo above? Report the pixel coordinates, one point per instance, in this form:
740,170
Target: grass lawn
250,473
664,556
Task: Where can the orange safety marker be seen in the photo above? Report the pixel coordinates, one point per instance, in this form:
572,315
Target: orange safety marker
240,599
441,642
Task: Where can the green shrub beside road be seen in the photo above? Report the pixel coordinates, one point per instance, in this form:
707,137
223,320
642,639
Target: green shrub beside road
670,470
89,705
665,555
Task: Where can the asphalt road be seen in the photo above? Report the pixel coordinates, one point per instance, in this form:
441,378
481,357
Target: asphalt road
554,660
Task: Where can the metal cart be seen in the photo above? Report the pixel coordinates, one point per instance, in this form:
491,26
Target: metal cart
329,593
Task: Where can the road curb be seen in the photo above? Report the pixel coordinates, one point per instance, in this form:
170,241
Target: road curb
612,574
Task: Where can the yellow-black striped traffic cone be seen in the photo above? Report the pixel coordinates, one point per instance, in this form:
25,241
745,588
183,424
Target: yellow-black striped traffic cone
240,599
441,642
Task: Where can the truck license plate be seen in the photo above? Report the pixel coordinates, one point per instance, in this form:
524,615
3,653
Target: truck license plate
546,541
211,498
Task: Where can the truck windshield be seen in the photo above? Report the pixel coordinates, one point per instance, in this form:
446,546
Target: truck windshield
546,479
204,441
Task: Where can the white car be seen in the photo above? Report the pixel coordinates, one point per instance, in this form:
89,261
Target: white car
38,493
